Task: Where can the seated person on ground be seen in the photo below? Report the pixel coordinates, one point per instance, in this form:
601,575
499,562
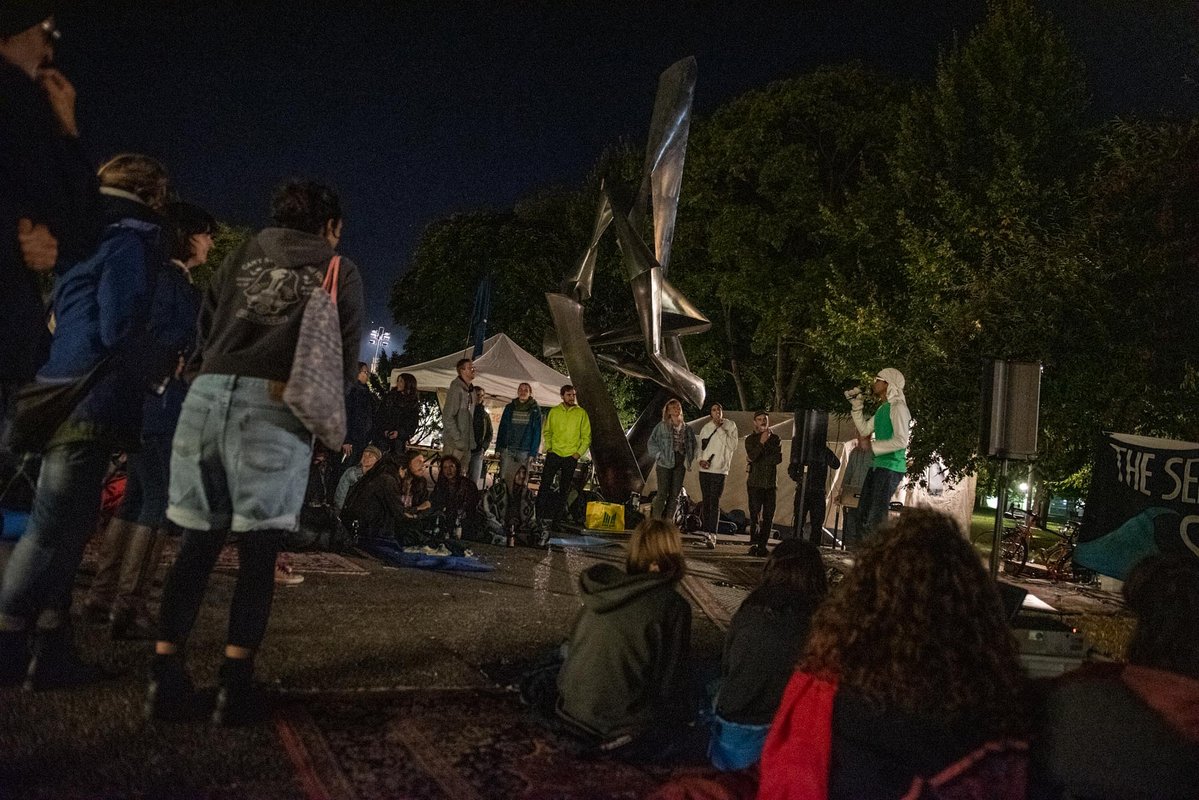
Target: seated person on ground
374,505
370,457
624,686
1124,731
511,510
909,668
456,498
418,520
761,649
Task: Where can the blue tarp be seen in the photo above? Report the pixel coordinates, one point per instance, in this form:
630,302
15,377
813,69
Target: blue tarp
391,552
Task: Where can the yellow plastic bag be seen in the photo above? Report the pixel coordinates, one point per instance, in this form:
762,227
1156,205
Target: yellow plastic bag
605,516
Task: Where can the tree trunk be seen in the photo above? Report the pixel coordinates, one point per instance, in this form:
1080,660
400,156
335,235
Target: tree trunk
778,374
733,368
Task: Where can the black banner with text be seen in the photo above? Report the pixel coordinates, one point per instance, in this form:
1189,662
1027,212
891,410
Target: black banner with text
1144,499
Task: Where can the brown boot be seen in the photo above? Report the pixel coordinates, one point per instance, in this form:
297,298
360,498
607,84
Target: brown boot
108,572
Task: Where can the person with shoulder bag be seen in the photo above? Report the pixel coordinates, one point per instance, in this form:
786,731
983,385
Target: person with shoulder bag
103,359
281,315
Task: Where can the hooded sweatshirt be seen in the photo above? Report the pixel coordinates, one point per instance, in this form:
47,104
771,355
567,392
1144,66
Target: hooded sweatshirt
250,318
626,668
891,424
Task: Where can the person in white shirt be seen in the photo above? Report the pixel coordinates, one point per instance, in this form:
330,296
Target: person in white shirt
717,443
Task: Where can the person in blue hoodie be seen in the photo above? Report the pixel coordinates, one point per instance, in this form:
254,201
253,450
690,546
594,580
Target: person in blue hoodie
102,307
134,539
519,437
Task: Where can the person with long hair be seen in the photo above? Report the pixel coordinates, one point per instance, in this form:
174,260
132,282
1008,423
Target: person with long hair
456,498
1123,731
673,446
399,414
373,505
761,648
624,686
908,668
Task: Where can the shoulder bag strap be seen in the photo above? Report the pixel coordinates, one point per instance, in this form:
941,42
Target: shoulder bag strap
332,276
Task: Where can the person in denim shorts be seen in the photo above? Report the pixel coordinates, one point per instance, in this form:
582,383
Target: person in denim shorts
240,457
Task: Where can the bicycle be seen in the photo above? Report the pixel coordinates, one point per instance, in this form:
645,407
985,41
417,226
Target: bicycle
1059,558
1014,546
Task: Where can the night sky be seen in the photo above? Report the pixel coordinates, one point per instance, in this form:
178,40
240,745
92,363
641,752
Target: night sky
414,111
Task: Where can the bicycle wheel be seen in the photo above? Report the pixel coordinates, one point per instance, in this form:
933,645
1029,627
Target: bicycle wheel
1015,554
1057,563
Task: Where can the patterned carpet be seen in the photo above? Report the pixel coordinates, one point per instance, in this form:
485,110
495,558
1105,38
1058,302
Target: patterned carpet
444,745
314,562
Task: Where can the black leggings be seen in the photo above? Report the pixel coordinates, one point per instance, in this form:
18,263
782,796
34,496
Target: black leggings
188,579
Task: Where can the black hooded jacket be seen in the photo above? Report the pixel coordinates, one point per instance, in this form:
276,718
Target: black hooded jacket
250,318
626,668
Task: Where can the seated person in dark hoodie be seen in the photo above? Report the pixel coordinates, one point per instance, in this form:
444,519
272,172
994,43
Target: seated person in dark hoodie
761,649
909,668
625,683
1125,731
456,498
374,505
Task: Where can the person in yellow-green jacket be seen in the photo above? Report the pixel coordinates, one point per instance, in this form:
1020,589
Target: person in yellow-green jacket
886,436
567,436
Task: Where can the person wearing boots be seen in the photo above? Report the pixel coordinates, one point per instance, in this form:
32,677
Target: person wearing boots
103,314
133,541
240,457
763,454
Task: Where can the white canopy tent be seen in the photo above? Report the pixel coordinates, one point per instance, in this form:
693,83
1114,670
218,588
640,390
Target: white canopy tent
502,367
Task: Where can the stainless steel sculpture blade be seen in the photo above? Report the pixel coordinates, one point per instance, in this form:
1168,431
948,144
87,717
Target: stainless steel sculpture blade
615,465
663,313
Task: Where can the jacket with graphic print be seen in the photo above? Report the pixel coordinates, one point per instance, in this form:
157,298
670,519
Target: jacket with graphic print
250,318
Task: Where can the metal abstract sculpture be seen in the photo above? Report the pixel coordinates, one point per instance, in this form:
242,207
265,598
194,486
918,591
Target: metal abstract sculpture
663,313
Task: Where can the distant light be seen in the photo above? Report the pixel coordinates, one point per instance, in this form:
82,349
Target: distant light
1024,487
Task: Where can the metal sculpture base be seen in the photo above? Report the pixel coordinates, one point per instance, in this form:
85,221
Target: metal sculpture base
615,465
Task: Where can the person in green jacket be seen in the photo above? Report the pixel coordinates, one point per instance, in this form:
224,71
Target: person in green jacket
625,684
567,438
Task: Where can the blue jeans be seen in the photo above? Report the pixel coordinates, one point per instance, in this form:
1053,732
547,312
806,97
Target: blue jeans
240,458
41,572
877,491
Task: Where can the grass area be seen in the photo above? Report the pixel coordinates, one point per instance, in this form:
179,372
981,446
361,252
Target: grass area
982,523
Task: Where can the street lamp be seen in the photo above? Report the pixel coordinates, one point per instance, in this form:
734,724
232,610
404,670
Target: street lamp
379,338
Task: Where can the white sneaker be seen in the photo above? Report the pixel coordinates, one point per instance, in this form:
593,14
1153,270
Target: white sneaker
284,576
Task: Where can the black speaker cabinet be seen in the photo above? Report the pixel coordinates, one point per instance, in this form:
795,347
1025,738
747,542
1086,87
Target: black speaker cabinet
811,437
1011,406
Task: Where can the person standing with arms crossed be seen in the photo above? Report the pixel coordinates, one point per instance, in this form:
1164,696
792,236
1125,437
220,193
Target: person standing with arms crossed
891,430
763,454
